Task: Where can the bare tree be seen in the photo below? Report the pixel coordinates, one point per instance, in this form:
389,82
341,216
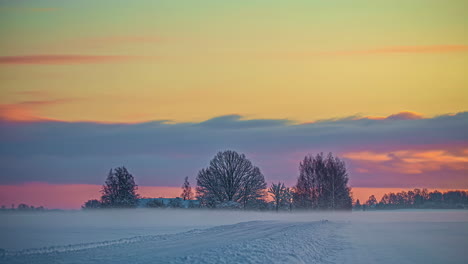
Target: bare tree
231,177
322,184
280,194
186,190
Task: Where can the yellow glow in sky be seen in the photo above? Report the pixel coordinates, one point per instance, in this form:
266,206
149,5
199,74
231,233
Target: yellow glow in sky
181,61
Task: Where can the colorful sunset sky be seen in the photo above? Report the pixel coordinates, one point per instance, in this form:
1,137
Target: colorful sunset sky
161,86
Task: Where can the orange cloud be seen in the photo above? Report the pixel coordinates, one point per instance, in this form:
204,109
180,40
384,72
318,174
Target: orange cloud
410,161
12,112
367,156
64,59
27,110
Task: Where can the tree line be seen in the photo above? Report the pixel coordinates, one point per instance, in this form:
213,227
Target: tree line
233,181
22,207
416,199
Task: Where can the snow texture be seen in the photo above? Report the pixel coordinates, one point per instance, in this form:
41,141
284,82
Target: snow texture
179,236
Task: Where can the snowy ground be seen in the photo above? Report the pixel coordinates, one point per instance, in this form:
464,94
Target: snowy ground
168,236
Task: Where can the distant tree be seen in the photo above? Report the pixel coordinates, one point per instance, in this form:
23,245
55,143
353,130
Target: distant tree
119,190
322,183
280,194
230,177
186,190
92,204
155,203
435,197
23,207
371,202
418,198
175,203
357,205
257,204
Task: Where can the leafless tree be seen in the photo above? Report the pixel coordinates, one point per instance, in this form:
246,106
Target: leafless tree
322,183
231,177
186,190
280,195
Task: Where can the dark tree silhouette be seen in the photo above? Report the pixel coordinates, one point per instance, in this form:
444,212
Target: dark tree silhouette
231,177
357,205
371,202
92,204
155,204
119,190
186,190
280,194
424,199
322,184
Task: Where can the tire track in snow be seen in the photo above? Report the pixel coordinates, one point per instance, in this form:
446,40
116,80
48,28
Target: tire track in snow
247,242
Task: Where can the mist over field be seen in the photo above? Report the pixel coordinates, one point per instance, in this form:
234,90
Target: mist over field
209,236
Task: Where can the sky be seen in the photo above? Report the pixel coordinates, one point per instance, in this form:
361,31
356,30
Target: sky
161,86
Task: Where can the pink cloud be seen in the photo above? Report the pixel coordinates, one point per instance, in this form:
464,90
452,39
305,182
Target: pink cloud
27,110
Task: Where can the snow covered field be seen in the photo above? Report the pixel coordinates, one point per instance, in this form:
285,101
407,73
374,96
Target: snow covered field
193,236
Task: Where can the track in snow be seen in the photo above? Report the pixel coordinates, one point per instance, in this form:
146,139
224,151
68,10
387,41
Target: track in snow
247,242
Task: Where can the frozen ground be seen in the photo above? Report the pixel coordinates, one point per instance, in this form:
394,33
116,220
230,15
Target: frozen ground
167,236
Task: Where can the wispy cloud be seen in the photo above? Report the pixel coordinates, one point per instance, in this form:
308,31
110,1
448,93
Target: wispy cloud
413,161
383,50
27,111
66,59
405,49
428,166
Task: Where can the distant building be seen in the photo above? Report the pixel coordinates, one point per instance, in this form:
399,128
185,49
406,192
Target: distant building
169,202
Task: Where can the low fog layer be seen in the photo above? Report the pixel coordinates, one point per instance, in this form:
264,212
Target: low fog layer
412,236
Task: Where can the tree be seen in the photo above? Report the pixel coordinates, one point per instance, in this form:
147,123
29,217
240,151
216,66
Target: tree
155,203
322,184
186,190
119,190
288,197
175,203
280,194
435,197
23,207
371,202
92,204
230,177
357,205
